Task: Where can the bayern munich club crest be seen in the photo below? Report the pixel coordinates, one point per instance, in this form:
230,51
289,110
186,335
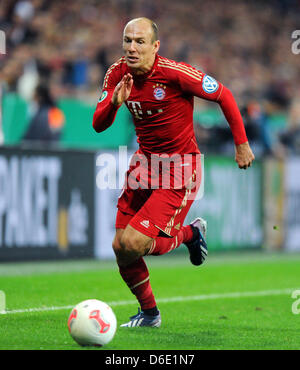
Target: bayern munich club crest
159,93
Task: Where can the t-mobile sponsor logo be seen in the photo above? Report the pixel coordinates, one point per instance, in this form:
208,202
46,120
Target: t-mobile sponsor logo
135,108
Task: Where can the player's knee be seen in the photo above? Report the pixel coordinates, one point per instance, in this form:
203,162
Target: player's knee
116,245
130,244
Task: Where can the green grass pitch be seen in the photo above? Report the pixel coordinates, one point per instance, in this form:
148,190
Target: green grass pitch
232,302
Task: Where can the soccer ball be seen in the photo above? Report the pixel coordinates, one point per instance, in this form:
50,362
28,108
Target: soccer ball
92,323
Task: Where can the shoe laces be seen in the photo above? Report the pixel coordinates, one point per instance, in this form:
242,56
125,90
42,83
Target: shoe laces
137,315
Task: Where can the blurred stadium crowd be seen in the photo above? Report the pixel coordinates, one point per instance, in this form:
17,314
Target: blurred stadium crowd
244,44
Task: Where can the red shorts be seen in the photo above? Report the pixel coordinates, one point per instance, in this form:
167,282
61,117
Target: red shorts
156,211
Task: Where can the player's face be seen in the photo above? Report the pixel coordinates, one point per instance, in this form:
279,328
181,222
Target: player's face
138,46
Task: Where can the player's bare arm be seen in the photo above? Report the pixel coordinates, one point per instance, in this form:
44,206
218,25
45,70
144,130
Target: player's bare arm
244,155
122,90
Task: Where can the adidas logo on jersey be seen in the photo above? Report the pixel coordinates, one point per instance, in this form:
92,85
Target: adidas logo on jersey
145,223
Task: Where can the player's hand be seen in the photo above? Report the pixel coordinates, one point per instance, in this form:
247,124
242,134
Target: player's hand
122,90
244,155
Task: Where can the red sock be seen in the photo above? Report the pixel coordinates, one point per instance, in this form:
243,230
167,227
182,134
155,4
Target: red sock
163,245
136,276
187,233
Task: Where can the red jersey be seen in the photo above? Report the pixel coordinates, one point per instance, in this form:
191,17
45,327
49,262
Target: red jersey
161,103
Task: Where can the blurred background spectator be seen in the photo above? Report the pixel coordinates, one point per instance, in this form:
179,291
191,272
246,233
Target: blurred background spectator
290,138
47,119
246,45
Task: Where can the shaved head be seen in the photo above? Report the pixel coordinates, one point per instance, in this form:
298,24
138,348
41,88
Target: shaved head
149,22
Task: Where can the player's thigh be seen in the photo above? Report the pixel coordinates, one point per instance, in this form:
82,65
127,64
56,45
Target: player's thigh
127,238
129,203
163,213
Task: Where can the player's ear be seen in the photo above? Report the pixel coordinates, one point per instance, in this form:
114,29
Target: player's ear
156,45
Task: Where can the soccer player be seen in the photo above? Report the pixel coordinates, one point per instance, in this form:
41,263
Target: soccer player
159,93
